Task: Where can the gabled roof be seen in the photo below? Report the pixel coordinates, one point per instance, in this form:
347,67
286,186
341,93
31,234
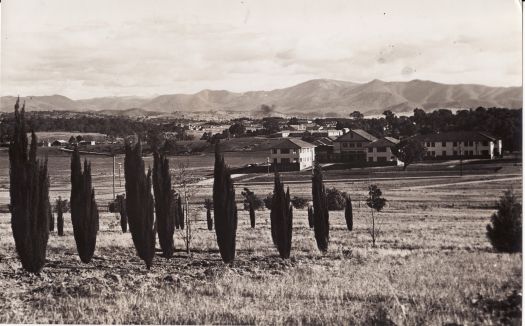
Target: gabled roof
360,132
293,143
325,141
456,136
383,142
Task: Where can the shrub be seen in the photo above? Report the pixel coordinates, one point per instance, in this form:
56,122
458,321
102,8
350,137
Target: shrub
336,199
320,214
224,209
504,231
84,211
268,201
349,217
281,218
299,202
165,222
208,204
139,203
29,197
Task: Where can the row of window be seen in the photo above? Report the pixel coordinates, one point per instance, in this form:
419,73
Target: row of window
455,153
352,145
455,143
293,151
378,149
380,159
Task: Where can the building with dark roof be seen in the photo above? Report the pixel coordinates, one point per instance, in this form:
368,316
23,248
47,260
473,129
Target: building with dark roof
380,150
456,144
350,147
292,154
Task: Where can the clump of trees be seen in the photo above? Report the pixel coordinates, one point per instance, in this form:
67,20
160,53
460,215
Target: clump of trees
376,203
505,229
336,199
349,217
139,203
29,191
84,210
165,222
320,213
408,151
208,204
224,208
281,218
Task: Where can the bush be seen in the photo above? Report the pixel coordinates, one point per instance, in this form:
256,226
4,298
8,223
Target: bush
252,200
268,201
299,202
504,232
29,197
336,199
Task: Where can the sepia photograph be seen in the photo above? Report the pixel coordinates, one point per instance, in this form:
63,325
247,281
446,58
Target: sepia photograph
250,162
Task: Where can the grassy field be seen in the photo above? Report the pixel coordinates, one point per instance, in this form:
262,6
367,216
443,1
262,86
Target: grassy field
432,264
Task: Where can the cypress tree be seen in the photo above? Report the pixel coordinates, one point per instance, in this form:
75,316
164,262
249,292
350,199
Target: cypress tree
281,218
310,216
51,219
60,216
320,215
208,204
252,217
84,210
139,203
121,202
29,197
180,212
165,221
348,214
224,209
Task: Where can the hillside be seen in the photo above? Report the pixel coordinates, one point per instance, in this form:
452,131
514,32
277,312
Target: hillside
315,97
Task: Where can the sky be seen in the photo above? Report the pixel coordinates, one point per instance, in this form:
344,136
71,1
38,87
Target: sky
84,49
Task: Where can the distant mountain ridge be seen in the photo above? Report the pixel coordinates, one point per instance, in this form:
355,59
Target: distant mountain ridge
315,97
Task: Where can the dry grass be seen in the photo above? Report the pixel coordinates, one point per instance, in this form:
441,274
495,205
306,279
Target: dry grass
433,265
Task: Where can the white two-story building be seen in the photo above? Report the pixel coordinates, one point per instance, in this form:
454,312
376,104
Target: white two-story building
381,150
461,144
292,154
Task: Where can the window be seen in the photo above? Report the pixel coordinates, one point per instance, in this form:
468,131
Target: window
285,151
433,153
444,153
274,161
443,143
433,144
370,150
274,151
345,145
381,149
351,145
455,143
359,145
428,144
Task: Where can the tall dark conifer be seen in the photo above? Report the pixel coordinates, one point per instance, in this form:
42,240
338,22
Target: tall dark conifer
29,197
224,209
281,218
320,215
348,214
139,203
163,197
208,204
84,211
121,203
310,216
60,216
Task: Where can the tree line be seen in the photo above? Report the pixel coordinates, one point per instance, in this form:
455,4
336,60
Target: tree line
151,215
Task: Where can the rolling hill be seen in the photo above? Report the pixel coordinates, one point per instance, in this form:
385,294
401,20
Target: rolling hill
315,97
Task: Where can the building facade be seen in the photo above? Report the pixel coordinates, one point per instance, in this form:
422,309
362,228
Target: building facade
462,144
381,150
351,147
292,154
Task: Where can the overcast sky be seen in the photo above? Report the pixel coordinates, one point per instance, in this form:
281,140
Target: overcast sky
84,49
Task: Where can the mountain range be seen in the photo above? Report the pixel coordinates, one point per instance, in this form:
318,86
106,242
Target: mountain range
315,97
